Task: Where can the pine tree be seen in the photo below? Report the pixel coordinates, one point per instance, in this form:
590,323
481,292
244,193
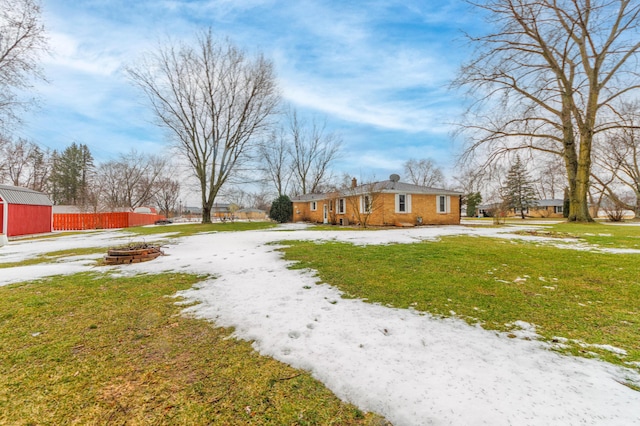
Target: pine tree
473,201
518,192
70,176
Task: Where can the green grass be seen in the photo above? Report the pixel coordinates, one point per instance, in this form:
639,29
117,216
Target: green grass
184,230
591,297
605,234
91,349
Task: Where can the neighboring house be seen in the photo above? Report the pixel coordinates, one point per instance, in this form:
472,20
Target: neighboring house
385,203
24,211
546,208
221,211
543,208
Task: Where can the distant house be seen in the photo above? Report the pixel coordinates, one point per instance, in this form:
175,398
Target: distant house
546,208
221,210
24,211
386,203
543,208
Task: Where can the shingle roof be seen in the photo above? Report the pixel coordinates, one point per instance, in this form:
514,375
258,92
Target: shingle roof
18,195
383,186
549,203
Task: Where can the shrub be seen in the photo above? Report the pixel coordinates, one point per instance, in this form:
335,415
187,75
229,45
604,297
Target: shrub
281,209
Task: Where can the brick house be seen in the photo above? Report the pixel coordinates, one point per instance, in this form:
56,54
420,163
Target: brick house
386,203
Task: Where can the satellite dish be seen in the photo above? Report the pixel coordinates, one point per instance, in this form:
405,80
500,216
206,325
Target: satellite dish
394,178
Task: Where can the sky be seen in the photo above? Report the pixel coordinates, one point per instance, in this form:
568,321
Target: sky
410,367
376,71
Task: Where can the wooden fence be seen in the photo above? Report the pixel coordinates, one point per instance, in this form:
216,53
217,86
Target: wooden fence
80,221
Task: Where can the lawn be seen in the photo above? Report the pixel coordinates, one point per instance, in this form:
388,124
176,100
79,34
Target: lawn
186,229
589,298
95,349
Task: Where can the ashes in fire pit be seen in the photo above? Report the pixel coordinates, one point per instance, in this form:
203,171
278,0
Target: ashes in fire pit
133,253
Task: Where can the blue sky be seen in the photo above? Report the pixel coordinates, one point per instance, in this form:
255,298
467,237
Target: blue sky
377,71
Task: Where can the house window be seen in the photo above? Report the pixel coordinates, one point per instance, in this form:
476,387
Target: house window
341,206
330,205
557,209
365,204
314,206
403,203
443,203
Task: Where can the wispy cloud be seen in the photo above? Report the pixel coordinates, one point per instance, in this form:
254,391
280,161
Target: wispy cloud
380,67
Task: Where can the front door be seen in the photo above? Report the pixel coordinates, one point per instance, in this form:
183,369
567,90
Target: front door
325,214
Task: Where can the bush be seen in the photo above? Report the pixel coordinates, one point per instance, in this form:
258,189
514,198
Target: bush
281,209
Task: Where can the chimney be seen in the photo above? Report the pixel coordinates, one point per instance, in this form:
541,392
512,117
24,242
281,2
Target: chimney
354,182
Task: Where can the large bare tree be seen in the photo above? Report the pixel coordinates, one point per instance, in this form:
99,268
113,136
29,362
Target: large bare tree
549,77
214,100
313,150
22,41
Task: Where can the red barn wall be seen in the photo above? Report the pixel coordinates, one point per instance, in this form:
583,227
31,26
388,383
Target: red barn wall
27,219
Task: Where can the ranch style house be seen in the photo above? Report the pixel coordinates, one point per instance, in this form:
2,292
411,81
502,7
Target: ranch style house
386,203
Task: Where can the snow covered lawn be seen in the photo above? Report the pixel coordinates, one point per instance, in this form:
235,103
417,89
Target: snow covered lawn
411,368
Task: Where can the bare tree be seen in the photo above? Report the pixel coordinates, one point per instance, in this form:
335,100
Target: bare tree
275,158
423,172
550,177
131,180
551,77
618,165
17,161
365,200
167,194
40,169
214,101
313,150
22,41
23,163
3,157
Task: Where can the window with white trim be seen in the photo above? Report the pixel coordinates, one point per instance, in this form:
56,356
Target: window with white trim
341,206
403,203
444,204
313,205
365,204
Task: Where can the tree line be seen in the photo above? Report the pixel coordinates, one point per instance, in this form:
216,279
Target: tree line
554,81
71,177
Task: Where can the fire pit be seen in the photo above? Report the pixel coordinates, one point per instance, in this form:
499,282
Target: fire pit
134,253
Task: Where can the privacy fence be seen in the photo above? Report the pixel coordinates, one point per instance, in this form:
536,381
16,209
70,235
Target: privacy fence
80,221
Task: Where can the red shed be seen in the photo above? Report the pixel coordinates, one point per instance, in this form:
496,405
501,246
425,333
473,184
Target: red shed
24,211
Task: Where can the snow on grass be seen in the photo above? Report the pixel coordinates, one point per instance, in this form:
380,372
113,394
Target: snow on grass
410,367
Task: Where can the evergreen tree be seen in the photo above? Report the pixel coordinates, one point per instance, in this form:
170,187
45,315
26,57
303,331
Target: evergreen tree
518,192
473,201
71,175
281,209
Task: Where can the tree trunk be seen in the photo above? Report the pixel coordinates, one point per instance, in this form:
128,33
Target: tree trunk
206,214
